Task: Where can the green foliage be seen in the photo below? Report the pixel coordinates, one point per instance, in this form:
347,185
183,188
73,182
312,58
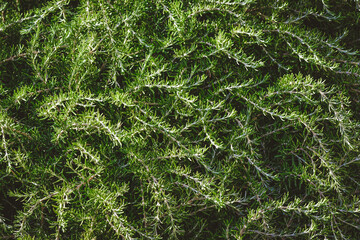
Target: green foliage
209,119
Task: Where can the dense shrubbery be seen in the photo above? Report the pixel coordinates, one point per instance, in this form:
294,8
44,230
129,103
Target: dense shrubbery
209,119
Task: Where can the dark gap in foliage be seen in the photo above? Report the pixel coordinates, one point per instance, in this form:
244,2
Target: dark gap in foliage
26,5
10,205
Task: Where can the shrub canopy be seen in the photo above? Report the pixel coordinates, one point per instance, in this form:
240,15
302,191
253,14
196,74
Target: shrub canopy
215,119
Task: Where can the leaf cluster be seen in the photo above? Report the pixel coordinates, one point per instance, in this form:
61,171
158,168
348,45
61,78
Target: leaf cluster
215,119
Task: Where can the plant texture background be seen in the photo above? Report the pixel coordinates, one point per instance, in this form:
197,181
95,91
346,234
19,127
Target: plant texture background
211,119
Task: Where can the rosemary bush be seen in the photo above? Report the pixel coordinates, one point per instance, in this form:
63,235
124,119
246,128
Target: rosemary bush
211,119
